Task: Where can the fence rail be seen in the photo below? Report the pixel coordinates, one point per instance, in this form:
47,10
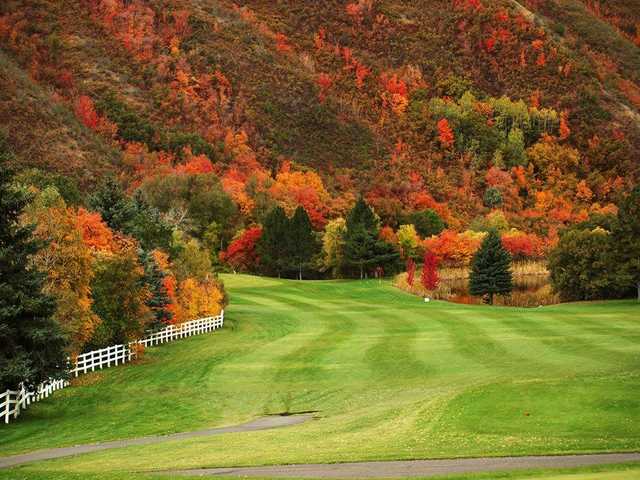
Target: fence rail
12,402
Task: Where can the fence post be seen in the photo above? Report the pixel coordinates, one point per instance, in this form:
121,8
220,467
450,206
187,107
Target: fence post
5,414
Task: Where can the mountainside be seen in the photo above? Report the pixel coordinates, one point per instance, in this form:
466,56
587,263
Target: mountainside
461,106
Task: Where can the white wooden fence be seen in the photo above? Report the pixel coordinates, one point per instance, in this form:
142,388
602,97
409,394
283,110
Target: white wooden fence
13,401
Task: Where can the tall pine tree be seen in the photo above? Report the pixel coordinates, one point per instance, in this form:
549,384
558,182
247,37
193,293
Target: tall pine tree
159,297
117,210
31,343
491,269
301,241
363,248
146,224
272,247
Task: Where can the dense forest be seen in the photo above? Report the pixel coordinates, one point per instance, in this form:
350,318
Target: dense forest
448,117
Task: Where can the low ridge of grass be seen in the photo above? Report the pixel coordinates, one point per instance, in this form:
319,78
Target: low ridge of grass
391,377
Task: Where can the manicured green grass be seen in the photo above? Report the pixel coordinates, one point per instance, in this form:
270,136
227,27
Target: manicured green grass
391,377
605,472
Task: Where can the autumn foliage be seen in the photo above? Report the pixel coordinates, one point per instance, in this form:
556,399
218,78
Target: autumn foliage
315,111
453,248
445,133
429,277
411,271
241,253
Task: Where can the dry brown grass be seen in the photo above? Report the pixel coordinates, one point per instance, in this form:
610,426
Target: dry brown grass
453,280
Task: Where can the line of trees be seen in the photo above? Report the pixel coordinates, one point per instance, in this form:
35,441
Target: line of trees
290,247
287,244
595,259
74,279
31,341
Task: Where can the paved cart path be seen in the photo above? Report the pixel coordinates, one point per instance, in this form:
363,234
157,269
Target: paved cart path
414,468
264,423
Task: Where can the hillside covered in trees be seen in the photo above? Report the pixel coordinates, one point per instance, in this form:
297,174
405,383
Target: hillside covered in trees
449,117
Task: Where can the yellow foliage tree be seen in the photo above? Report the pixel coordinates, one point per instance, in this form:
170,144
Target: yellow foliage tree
199,299
67,262
548,155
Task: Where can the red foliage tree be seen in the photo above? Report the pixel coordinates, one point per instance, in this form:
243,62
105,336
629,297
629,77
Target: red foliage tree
445,133
430,278
324,82
241,255
362,72
95,233
282,43
468,5
522,245
86,112
411,271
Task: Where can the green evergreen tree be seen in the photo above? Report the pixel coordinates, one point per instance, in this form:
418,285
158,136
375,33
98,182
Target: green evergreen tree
159,299
491,269
301,241
117,210
363,248
273,243
363,214
147,225
626,240
31,342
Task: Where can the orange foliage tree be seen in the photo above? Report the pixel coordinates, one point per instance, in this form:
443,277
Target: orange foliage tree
454,249
522,245
96,234
199,299
293,188
445,133
67,262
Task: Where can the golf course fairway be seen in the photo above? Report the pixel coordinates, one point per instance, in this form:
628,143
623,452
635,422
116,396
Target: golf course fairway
388,377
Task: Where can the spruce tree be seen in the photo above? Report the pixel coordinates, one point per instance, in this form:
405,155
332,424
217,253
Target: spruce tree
117,210
491,269
362,246
361,236
359,247
273,243
159,299
147,225
301,241
31,342
362,214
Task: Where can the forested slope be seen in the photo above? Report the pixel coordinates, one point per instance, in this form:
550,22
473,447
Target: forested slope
417,105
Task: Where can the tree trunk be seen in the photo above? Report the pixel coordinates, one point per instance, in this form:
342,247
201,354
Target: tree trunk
491,298
638,286
300,272
361,272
